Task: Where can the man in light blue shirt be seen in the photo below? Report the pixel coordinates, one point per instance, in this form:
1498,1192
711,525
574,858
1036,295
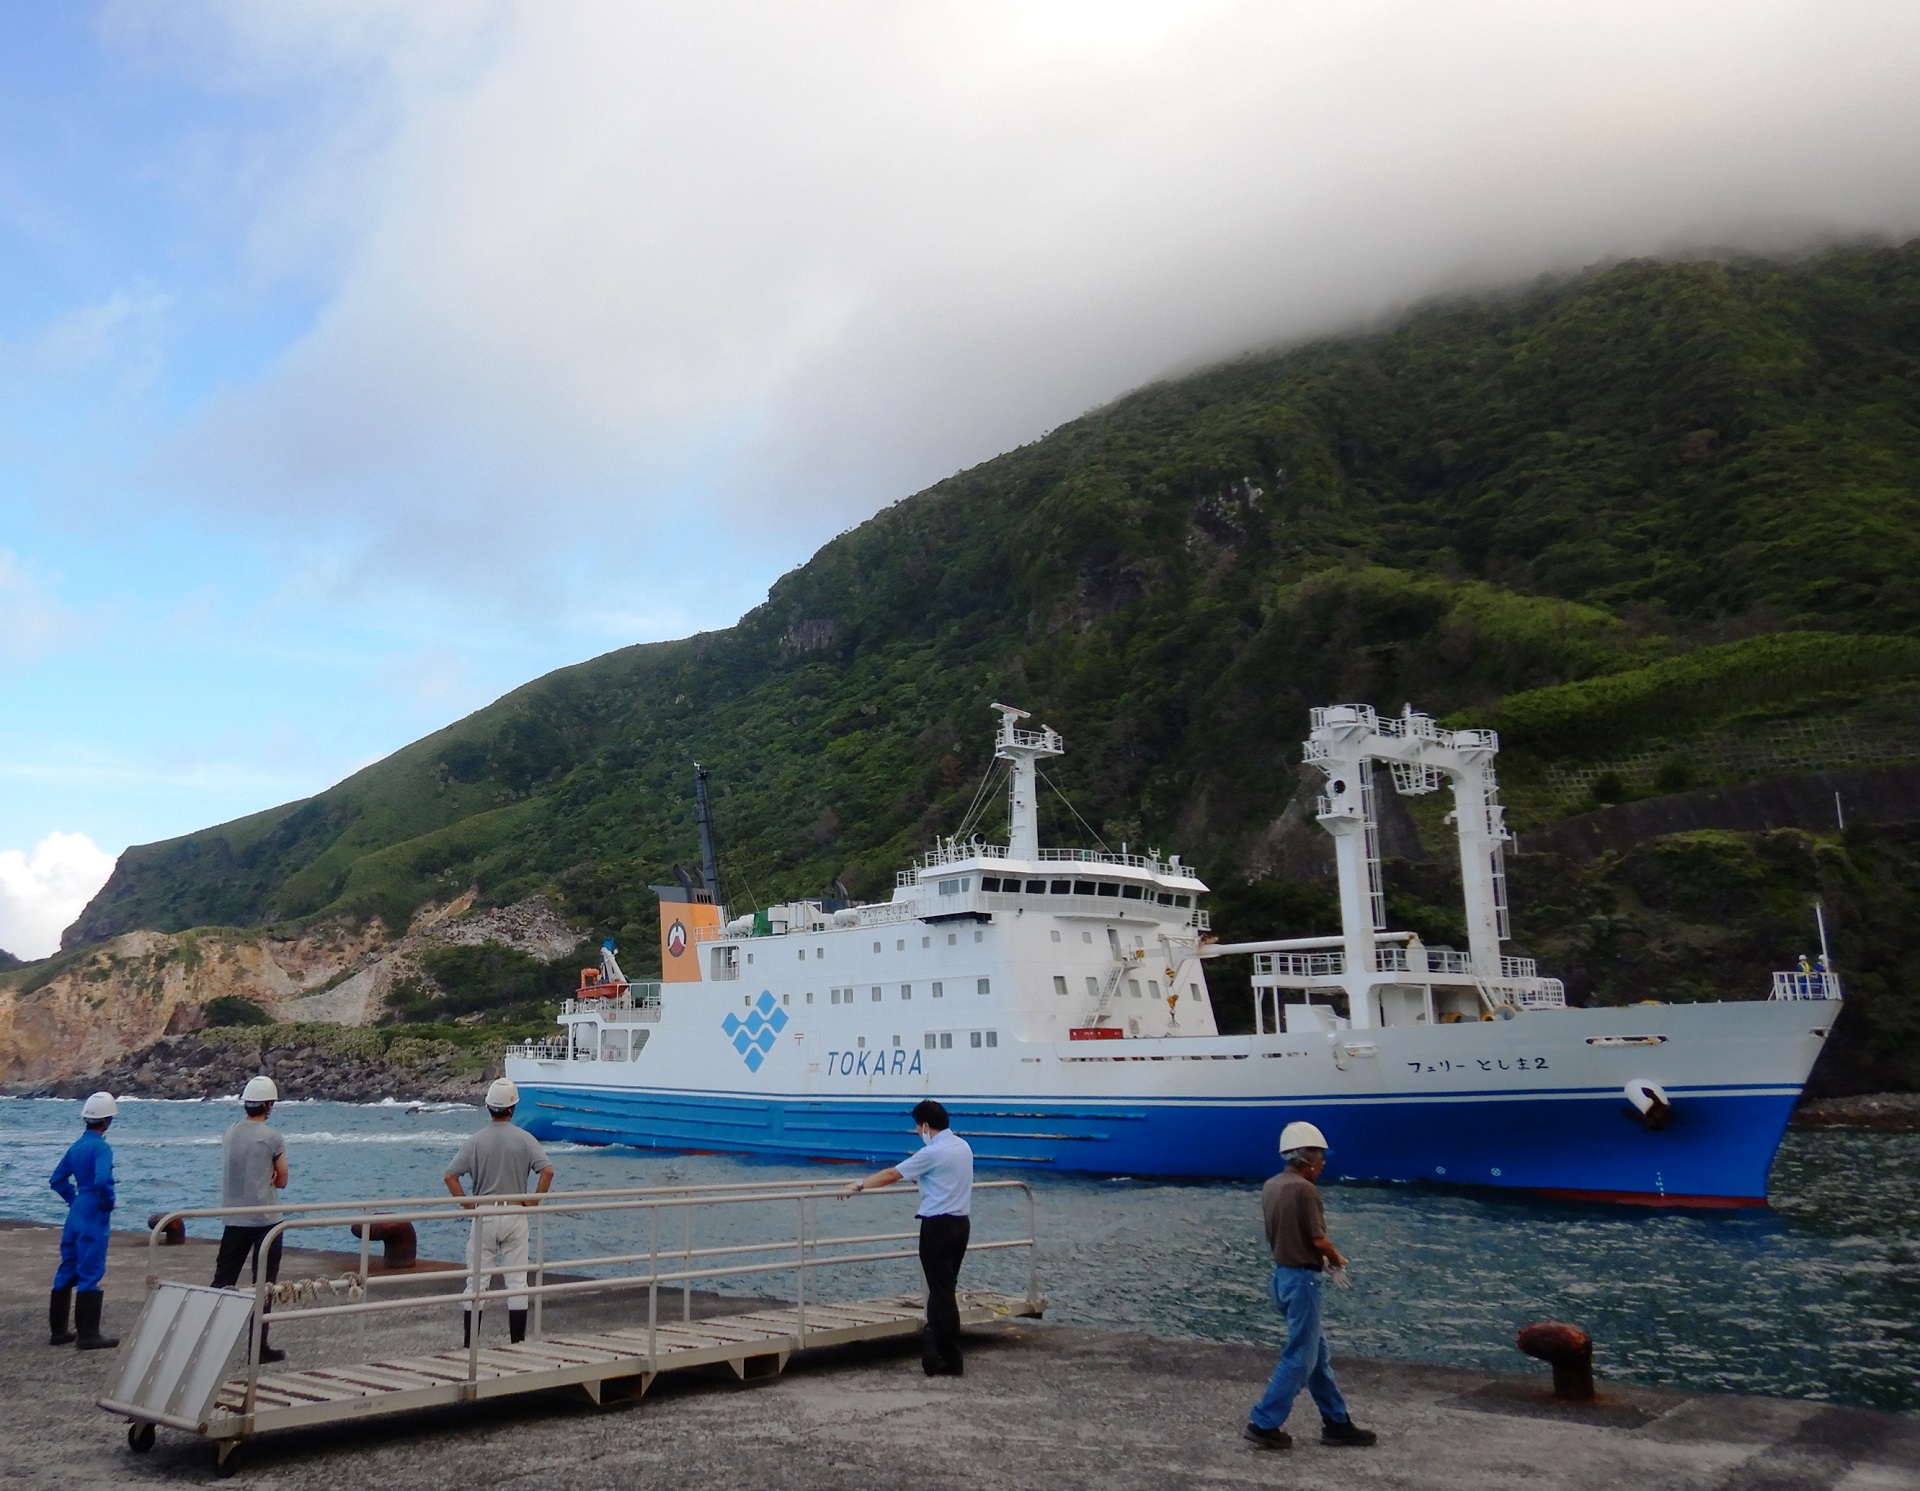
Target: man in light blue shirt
943,1165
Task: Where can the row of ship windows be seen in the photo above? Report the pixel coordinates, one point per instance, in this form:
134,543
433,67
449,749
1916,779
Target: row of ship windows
899,945
942,1040
1013,885
878,992
1133,987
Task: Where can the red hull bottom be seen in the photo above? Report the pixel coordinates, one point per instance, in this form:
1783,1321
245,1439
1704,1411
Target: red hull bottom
1649,1198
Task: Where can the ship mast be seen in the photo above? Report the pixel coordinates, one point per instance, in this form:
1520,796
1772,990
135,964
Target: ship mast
709,860
1022,749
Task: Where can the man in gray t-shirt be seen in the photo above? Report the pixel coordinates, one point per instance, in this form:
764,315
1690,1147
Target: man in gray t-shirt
498,1159
253,1170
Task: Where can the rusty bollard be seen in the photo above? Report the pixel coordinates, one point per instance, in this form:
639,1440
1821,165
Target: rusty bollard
175,1234
1568,1350
400,1244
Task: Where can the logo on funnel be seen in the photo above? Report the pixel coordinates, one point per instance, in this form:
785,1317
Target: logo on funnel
677,939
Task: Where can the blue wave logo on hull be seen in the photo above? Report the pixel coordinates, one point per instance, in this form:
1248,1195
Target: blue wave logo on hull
754,1036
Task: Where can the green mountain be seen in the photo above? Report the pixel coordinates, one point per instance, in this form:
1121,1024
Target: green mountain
1657,524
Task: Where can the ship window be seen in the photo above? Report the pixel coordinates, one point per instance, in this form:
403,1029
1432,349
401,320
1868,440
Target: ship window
933,1041
819,952
926,942
1139,941
955,887
952,938
1036,887
979,936
990,882
1086,937
1183,900
973,1038
876,993
1165,898
833,996
939,989
1133,987
1061,888
863,1042
946,1040
1108,888
993,1037
809,996
906,991
896,1040
900,945
749,957
1193,991
1060,984
1153,987
1130,892
803,955
985,986
1083,887
786,999
1055,934
1093,987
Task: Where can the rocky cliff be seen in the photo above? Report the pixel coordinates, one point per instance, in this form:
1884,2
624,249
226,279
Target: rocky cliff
87,1011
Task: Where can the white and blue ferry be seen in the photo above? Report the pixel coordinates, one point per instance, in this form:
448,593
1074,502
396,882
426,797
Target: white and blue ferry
1056,1000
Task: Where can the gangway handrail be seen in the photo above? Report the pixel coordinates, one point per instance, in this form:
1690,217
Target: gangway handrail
164,1220
798,1256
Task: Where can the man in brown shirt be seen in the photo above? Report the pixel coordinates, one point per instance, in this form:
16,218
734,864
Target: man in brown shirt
1296,1227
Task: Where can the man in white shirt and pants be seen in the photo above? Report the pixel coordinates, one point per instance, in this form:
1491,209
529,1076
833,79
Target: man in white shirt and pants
943,1165
498,1159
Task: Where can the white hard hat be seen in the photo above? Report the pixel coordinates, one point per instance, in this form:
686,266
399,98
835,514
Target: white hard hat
1298,1135
100,1105
260,1090
503,1094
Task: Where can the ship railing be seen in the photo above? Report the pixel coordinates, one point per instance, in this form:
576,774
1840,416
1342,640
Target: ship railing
1817,984
538,1050
1519,968
1390,960
952,854
651,1232
1449,960
1299,965
1037,740
1151,862
1528,994
625,1008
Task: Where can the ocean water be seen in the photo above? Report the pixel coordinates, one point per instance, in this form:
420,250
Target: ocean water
1817,1297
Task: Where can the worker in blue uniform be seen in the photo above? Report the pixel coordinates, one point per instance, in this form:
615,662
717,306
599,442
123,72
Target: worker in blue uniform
84,1180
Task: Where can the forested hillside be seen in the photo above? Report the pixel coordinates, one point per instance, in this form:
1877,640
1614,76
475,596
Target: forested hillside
1659,525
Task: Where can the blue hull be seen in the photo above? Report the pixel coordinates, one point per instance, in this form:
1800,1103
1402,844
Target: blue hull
1716,1152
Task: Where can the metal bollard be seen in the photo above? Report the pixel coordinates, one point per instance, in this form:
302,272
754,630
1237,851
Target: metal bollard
401,1243
1568,1350
176,1232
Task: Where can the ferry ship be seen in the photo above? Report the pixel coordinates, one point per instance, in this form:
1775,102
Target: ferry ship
1056,1000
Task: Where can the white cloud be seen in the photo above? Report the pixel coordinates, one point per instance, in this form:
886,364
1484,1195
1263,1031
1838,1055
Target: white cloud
672,288
42,892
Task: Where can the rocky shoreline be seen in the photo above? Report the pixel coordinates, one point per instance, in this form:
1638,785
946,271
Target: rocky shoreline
326,1062
1891,1111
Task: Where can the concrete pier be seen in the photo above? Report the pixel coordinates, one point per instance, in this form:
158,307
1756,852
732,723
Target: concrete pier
1042,1406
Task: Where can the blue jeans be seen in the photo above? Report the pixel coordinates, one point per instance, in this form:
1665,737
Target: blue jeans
1306,1361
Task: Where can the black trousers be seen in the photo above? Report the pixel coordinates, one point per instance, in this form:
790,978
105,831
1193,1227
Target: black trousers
943,1244
237,1245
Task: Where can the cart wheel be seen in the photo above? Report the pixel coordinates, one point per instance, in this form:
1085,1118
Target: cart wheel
139,1438
227,1458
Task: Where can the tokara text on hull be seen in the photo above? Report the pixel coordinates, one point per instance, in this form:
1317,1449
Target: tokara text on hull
1056,1000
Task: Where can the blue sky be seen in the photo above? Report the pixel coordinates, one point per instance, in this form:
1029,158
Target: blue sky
360,360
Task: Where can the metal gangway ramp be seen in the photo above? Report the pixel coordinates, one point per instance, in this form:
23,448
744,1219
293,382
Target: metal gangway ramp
192,1361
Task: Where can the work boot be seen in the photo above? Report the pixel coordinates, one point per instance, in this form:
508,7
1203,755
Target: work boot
1267,1439
58,1303
86,1316
1345,1431
516,1327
